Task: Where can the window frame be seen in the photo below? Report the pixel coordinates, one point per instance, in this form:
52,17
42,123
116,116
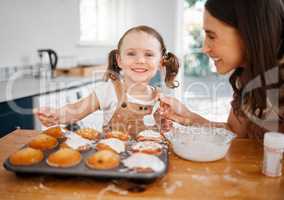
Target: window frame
118,20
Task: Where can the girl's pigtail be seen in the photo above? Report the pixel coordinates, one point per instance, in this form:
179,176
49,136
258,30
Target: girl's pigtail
171,63
112,68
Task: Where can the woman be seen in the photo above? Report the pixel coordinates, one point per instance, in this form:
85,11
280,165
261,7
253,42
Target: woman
245,38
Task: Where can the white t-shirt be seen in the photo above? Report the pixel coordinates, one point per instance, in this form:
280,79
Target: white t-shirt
106,95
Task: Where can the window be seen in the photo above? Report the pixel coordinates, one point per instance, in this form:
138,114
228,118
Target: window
195,62
205,92
101,21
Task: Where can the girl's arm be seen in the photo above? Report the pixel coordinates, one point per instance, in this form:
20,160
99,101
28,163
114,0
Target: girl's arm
76,111
69,113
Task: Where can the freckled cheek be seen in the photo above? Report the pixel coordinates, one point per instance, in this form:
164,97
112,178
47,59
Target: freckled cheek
156,63
127,59
128,64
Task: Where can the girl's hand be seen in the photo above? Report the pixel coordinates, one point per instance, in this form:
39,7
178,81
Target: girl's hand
48,116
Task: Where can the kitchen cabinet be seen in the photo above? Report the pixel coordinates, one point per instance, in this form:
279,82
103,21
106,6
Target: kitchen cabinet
16,114
54,99
31,93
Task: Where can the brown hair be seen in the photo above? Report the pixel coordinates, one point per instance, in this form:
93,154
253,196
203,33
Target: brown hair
260,24
169,60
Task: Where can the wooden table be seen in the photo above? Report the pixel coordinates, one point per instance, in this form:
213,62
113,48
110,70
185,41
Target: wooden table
237,176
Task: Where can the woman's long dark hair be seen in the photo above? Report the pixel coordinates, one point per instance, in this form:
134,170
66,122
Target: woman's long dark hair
261,26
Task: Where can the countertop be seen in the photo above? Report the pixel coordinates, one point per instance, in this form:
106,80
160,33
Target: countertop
25,87
237,176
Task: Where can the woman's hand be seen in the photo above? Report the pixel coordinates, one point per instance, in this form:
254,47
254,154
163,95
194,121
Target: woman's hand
173,109
48,116
164,124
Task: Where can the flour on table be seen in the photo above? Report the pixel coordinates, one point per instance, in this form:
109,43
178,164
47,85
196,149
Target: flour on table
111,188
170,189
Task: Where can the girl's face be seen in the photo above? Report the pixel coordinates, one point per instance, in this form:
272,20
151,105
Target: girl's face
223,44
139,57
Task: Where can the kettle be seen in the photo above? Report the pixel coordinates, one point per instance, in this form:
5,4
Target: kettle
52,56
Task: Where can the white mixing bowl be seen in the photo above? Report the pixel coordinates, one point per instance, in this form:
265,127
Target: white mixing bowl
201,144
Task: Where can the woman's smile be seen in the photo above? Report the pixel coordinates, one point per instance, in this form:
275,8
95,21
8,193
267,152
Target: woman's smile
223,44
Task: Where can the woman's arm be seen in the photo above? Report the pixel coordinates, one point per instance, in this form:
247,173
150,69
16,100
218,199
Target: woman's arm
237,125
174,110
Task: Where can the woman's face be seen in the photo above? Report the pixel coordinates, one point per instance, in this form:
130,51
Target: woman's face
223,44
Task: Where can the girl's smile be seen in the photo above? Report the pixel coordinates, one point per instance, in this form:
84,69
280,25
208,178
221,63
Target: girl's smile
139,70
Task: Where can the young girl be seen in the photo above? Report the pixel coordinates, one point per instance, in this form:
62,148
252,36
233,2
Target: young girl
125,97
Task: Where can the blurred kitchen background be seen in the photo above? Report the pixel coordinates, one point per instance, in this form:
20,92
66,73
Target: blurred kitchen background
53,52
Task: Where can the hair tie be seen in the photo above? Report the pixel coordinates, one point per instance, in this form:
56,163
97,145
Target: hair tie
164,52
166,55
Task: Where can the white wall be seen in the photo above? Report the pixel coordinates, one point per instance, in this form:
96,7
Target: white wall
156,13
32,24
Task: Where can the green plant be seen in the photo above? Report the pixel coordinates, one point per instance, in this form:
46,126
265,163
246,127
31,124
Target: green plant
196,63
192,2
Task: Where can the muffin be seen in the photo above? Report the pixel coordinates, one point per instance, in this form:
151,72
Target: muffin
82,148
55,132
141,162
76,142
103,160
64,158
88,133
148,147
117,134
112,144
43,142
149,135
26,156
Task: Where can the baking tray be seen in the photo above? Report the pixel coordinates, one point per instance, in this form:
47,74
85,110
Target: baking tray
82,170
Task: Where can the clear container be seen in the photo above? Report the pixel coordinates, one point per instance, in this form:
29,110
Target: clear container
273,153
149,98
201,144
